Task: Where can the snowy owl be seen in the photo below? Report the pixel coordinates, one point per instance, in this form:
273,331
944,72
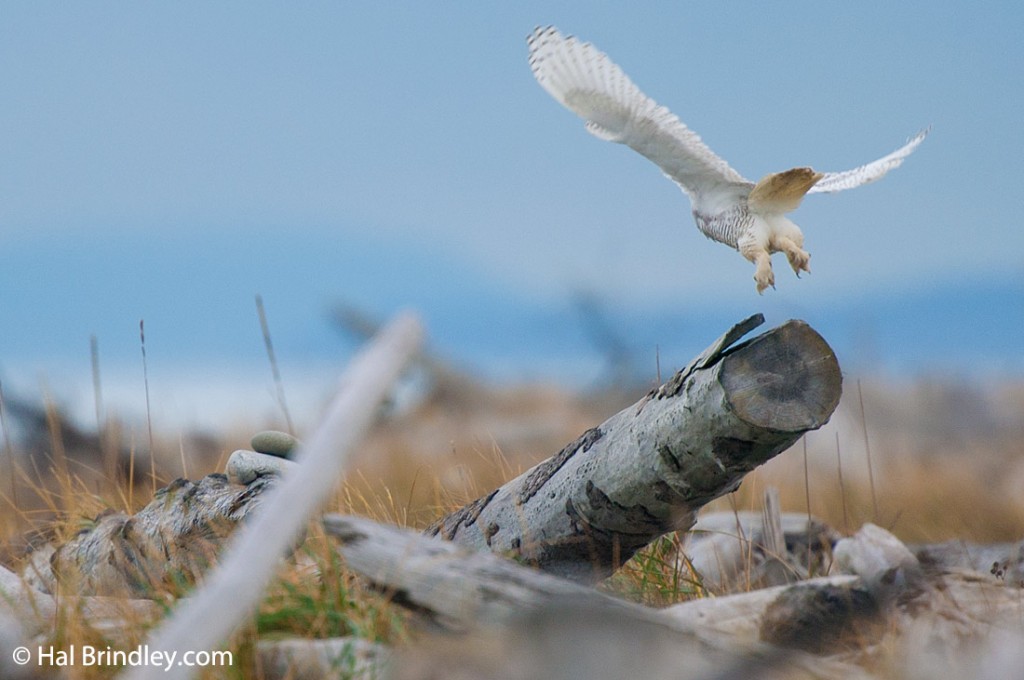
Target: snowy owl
728,208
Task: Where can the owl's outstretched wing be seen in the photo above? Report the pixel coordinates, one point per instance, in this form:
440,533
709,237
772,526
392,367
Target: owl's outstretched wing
865,174
587,82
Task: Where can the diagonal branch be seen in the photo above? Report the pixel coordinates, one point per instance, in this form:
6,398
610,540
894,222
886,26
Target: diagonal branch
648,469
237,584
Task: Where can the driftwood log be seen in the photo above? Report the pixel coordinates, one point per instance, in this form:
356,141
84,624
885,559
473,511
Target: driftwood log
525,623
528,624
28,616
579,514
648,469
888,614
908,617
234,587
1005,561
456,586
644,471
164,547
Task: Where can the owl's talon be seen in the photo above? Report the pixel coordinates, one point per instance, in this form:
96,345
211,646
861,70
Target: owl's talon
764,277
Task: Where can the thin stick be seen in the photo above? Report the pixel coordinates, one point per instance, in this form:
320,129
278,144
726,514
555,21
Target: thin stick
106,448
233,588
9,449
867,448
842,489
746,545
131,474
657,363
771,523
278,383
807,496
97,392
59,457
184,462
149,417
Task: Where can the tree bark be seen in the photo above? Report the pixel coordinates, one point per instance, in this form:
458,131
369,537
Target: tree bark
527,624
648,469
164,547
455,586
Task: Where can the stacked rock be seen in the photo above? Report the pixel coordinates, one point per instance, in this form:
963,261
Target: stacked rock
271,455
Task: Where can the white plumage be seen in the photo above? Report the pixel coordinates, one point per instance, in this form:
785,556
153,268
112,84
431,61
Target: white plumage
728,208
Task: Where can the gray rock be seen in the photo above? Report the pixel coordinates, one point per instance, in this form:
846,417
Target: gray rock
244,467
274,443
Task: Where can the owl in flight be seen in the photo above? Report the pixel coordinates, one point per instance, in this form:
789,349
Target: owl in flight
728,208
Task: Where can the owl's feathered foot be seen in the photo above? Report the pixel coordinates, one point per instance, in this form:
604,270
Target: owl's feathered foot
759,255
799,259
764,276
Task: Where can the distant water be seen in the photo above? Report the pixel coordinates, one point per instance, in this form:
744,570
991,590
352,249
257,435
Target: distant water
207,362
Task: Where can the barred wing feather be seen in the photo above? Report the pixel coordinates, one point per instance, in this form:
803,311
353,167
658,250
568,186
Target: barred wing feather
865,174
587,82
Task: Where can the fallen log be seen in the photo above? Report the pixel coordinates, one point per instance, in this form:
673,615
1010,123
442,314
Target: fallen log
233,588
910,619
648,469
456,586
27,613
873,570
164,547
528,624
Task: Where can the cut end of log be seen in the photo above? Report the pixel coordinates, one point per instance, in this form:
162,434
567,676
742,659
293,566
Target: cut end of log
787,380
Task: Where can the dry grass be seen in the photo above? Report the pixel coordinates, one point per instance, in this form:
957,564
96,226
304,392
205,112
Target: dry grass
934,478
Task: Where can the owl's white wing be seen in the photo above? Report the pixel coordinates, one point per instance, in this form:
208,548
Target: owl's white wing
587,82
865,174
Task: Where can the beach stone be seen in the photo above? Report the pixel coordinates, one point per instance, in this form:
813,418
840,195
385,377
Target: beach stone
274,443
244,467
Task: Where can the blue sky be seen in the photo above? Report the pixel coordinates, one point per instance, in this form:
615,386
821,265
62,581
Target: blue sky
167,161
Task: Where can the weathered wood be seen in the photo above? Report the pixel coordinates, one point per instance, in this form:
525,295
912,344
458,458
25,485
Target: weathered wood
28,612
349,657
739,616
939,624
872,552
528,624
774,538
163,547
233,588
730,551
891,603
459,587
849,622
558,642
648,469
1005,561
